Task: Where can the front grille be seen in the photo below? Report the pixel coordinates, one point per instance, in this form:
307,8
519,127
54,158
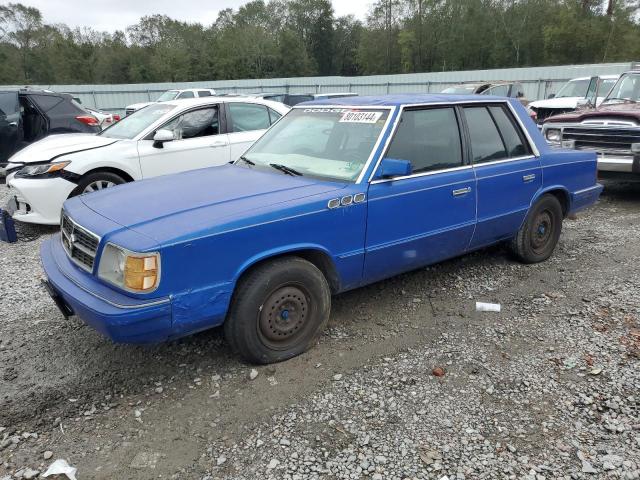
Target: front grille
80,244
129,111
609,140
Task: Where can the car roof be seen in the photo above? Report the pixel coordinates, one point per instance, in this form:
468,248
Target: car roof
398,100
223,99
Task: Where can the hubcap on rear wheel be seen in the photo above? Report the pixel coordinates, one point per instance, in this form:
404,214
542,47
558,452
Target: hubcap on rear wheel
543,230
283,317
98,185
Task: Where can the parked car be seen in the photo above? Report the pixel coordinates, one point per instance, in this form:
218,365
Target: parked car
28,115
338,194
105,119
612,130
574,93
292,99
172,95
163,138
498,89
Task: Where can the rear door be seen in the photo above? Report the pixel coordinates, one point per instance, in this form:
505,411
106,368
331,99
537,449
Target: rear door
199,142
246,123
508,173
10,124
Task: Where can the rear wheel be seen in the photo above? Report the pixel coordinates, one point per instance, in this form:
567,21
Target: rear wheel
97,181
537,238
278,310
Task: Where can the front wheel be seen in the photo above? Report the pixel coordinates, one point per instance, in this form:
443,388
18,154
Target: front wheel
278,311
537,238
97,181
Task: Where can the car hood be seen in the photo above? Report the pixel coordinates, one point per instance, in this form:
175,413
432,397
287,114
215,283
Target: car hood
53,146
560,103
186,204
138,106
624,111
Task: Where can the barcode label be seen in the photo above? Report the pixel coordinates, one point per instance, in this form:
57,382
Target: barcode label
360,117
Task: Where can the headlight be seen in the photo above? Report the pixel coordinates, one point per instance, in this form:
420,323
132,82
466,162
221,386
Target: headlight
553,135
131,271
38,170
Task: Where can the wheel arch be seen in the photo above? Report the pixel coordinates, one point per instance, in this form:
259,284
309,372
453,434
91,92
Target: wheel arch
315,254
558,191
122,173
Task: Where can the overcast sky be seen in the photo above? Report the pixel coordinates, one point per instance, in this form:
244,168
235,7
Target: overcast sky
112,15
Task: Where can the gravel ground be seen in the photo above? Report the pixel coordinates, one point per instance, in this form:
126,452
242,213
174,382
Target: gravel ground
408,381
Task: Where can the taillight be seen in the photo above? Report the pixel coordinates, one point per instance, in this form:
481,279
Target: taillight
116,117
88,120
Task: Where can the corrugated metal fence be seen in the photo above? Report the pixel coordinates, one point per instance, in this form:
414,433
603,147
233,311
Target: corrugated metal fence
538,83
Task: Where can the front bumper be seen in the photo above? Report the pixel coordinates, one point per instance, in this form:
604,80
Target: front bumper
39,199
621,163
125,319
117,316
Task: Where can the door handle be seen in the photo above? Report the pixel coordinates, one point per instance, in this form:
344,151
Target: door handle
13,124
219,143
461,191
529,178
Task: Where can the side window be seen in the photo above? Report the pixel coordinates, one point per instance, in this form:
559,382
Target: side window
197,123
8,103
274,116
486,144
246,117
517,90
429,139
510,134
204,93
498,90
186,95
46,102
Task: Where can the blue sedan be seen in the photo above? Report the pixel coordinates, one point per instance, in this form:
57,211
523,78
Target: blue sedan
338,194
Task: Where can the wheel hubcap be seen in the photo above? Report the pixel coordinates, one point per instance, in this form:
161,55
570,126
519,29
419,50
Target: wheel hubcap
98,185
542,231
284,316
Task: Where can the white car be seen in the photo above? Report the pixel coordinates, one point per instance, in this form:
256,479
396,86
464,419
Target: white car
172,95
164,138
571,95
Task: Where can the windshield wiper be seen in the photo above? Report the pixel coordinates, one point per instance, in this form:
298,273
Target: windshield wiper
246,160
285,169
616,98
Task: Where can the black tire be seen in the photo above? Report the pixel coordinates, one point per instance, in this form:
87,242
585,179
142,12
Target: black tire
105,179
278,311
537,238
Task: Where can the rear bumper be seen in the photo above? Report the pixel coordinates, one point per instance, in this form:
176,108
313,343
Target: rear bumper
121,318
585,198
40,200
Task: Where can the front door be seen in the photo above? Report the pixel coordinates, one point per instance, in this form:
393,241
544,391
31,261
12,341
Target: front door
10,125
429,215
197,143
508,174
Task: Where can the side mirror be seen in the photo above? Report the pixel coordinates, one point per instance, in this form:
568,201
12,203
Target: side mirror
551,95
393,167
162,136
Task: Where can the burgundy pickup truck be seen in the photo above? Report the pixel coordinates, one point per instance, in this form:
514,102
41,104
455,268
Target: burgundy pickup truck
612,130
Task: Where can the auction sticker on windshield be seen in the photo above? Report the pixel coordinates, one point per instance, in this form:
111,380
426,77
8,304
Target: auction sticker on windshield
360,117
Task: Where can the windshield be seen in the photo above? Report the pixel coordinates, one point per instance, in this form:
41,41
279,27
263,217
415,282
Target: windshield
328,143
627,88
133,125
460,90
574,88
168,95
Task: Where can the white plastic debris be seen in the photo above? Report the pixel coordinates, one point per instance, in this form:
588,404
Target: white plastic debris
61,467
487,307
